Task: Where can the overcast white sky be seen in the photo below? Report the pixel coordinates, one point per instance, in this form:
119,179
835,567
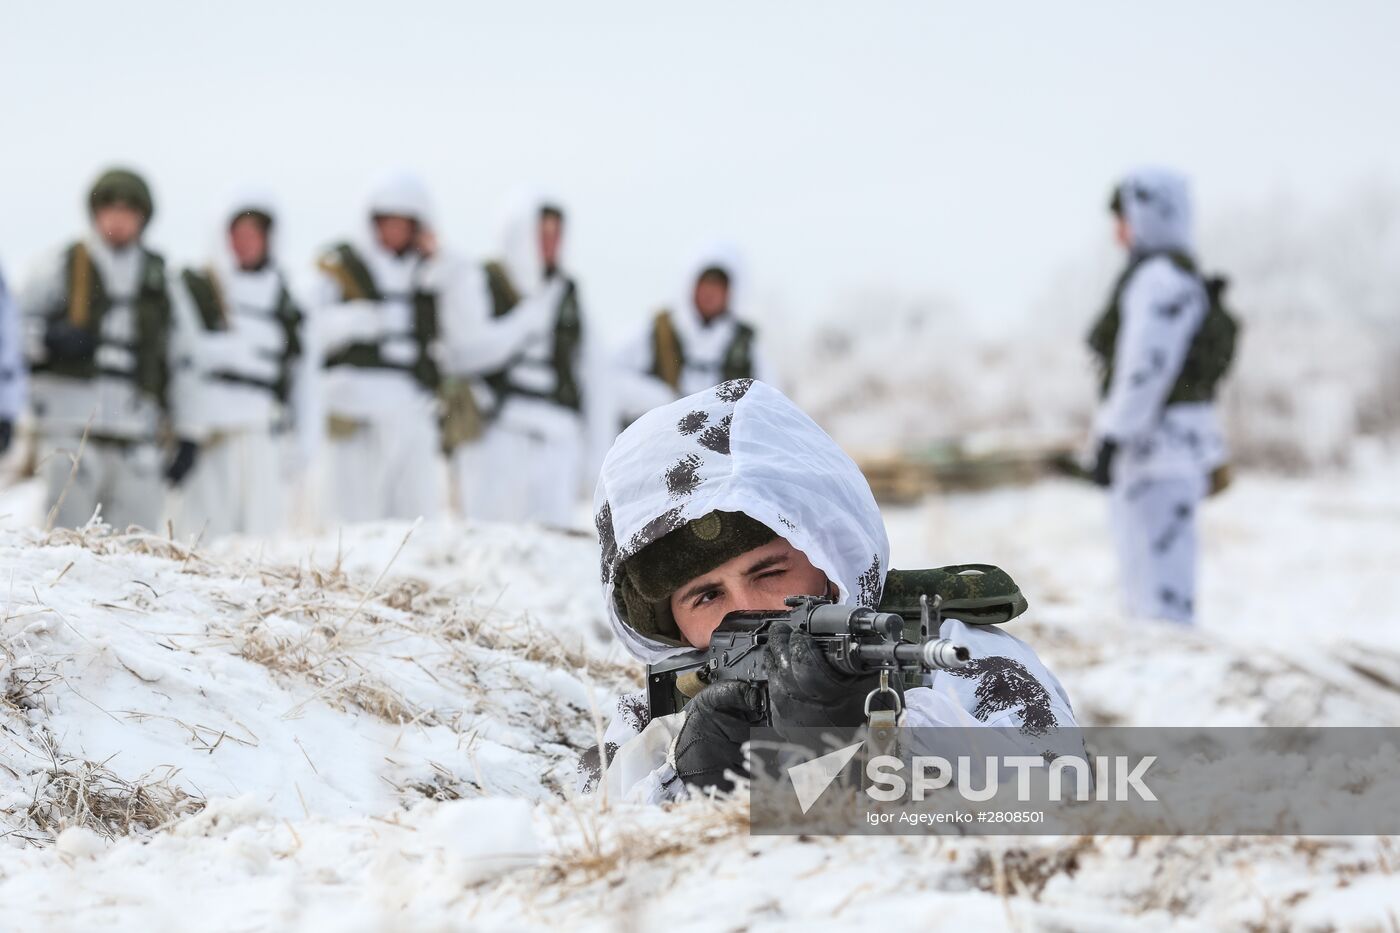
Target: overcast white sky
956,148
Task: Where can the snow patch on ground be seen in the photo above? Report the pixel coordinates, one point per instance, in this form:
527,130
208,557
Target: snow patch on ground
377,730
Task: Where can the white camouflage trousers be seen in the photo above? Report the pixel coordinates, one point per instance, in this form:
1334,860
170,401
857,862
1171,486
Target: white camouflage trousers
125,479
509,475
1154,527
388,468
234,488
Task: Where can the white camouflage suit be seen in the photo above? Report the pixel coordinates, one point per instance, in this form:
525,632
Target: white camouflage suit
1166,452
530,463
250,442
123,461
382,451
704,345
730,448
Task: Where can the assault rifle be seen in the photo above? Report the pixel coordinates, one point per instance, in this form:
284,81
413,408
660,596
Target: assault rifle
854,639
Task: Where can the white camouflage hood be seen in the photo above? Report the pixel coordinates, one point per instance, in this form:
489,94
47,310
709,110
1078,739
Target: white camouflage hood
1157,205
741,446
520,238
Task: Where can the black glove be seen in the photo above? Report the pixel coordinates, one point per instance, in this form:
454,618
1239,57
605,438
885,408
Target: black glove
64,341
182,462
7,434
717,724
1103,462
805,691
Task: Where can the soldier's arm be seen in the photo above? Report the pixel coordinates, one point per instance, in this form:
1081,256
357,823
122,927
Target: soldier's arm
478,342
340,323
305,398
188,407
635,751
13,374
635,390
43,291
1161,309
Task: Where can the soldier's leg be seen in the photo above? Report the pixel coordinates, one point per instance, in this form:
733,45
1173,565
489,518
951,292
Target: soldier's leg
1127,512
135,487
1173,548
552,471
74,489
483,473
262,492
417,480
356,490
1155,529
201,507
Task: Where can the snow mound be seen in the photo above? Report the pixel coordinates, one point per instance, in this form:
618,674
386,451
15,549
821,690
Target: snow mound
377,731
143,679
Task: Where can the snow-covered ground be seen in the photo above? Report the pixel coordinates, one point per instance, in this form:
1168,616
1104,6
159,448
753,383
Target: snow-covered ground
376,730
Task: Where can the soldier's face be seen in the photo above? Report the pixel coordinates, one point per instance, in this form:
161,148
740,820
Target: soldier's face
1122,233
248,240
118,224
551,236
711,297
396,234
759,579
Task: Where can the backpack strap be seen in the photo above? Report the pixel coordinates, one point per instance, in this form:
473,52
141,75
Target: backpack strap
350,273
667,355
208,297
80,274
153,321
504,295
738,359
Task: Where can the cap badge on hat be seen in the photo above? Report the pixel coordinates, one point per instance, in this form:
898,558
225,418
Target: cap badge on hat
707,527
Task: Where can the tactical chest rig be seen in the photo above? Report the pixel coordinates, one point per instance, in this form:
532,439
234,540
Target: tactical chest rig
85,304
213,313
353,277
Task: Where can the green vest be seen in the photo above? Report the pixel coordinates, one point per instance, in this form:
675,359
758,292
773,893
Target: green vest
86,301
1212,347
208,300
349,271
668,355
567,339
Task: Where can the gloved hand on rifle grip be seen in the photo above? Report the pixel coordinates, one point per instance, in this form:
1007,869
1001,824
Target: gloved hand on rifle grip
1102,473
717,724
805,690
182,462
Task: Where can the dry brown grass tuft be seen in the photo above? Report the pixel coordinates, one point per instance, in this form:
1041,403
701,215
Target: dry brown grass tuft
1026,871
608,847
84,793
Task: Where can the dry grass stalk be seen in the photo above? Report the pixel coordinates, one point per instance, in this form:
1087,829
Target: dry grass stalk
84,793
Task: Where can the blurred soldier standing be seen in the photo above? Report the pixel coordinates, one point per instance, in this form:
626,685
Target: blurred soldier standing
106,348
376,317
537,387
698,342
1163,343
257,379
13,376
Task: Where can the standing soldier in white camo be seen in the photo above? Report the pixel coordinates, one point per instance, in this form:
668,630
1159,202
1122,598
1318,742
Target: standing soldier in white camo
1164,342
111,359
